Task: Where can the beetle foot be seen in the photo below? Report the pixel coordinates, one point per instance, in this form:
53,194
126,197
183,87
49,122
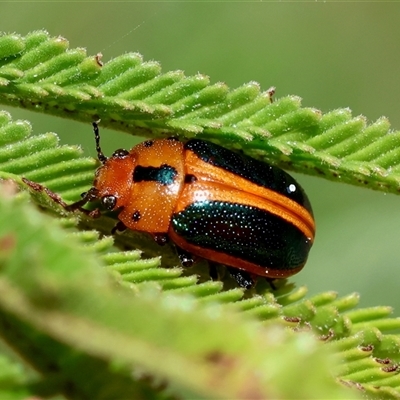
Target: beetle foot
160,238
186,258
212,268
271,283
242,278
119,227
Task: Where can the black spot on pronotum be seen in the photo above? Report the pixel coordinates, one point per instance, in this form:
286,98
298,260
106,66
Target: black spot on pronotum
136,216
189,178
120,153
164,174
148,143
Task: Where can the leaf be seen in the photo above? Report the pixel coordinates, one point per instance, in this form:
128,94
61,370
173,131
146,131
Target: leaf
41,73
64,276
66,315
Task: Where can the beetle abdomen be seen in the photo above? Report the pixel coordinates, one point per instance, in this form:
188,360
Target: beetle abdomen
240,235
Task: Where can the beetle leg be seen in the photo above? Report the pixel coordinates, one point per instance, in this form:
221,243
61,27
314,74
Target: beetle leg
90,195
119,227
243,278
160,238
213,271
271,283
186,258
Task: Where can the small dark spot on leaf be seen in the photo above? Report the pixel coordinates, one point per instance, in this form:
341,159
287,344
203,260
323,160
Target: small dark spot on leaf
352,384
328,336
369,347
7,243
221,359
383,360
391,368
98,58
295,320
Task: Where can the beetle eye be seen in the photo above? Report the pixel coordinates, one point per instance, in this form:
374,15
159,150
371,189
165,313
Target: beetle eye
109,202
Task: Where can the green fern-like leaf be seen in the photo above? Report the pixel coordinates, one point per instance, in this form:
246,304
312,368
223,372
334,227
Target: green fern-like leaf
67,318
70,315
41,73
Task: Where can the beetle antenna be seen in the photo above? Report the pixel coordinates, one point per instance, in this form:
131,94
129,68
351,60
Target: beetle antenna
102,158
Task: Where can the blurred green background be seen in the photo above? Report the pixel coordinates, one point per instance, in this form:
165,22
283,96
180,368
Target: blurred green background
331,54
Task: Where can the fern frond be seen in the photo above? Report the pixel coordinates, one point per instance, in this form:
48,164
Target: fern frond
74,292
41,73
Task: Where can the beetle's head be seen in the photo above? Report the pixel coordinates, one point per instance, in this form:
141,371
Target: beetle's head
112,181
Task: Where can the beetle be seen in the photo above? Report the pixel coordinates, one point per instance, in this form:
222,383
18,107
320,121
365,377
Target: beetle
212,203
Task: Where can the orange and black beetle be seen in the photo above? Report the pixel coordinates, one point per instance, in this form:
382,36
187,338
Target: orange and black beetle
213,203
